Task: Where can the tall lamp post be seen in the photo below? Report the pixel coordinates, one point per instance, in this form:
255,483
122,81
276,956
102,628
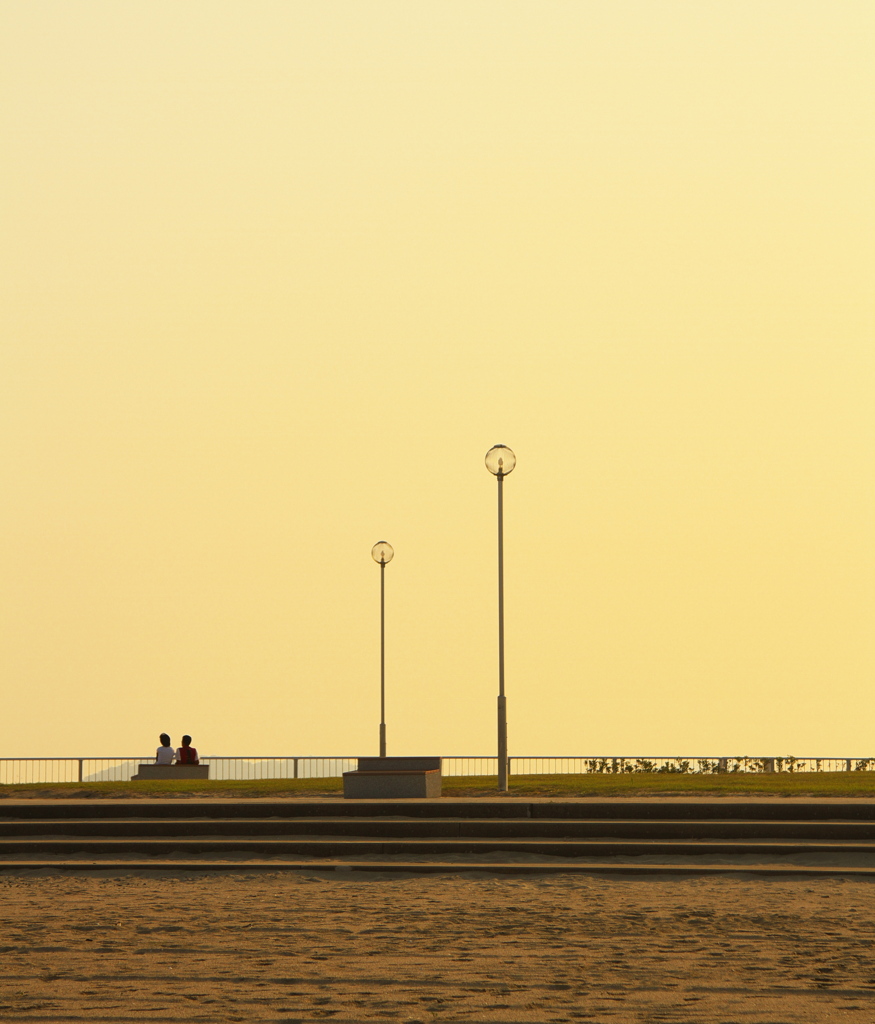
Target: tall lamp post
382,553
500,461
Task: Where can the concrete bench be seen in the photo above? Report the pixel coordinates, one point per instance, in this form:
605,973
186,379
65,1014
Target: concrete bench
163,772
393,777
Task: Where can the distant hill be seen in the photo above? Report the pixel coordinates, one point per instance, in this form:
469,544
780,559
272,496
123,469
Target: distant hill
120,772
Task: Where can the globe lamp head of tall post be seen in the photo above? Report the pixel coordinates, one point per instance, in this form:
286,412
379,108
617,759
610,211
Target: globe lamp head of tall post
382,552
500,460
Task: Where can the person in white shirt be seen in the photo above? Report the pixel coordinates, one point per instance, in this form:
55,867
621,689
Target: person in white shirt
164,754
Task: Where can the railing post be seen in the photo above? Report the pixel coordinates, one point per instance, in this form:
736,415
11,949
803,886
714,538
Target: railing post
295,775
80,769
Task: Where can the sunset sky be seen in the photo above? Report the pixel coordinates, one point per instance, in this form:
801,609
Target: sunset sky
277,274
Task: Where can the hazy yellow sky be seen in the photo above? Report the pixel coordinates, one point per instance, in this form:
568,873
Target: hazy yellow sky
277,274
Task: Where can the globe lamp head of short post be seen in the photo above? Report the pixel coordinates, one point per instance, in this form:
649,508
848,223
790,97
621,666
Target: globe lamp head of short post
500,460
382,552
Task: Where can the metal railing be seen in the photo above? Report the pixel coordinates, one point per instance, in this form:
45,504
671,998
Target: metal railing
117,769
685,765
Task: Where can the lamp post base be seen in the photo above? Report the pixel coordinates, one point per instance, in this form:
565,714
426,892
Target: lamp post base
382,739
502,745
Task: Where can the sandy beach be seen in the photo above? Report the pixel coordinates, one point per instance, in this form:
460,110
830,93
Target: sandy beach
358,947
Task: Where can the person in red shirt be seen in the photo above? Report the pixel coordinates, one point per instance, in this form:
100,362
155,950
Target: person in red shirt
186,754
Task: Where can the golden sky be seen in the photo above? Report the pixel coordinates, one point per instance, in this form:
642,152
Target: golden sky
277,274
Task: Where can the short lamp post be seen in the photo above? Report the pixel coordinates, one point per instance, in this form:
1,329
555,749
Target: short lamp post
500,461
382,553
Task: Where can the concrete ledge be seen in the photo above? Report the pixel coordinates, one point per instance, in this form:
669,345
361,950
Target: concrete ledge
376,785
379,778
163,772
399,764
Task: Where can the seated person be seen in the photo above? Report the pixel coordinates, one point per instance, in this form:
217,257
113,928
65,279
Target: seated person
186,754
164,754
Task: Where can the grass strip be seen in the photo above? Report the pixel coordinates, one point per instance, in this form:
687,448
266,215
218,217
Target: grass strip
807,784
235,789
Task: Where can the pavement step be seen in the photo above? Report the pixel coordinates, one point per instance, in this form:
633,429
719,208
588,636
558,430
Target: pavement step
400,827
504,808
327,846
442,867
